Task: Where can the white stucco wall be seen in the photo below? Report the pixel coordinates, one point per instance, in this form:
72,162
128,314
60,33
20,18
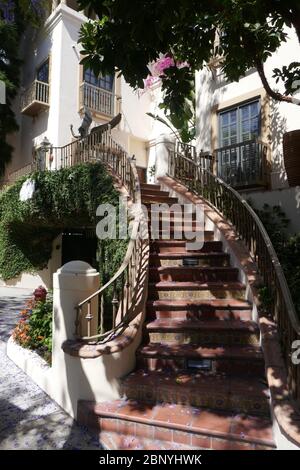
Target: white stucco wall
58,40
283,116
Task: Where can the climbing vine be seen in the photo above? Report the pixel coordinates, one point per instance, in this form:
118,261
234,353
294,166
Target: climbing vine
62,199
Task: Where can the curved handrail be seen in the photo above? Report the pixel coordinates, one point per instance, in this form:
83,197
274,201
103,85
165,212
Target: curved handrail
122,273
100,146
229,203
276,263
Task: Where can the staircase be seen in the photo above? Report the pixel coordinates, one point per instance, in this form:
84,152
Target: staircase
199,381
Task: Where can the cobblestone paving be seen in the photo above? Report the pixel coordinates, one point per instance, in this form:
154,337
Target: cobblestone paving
29,419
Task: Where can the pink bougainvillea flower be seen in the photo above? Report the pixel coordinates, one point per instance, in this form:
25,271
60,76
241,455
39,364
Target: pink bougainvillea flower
162,64
158,67
149,81
157,70
181,65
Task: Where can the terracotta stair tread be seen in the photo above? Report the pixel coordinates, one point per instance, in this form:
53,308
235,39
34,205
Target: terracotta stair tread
219,325
252,353
173,242
152,199
177,285
189,254
150,186
208,234
180,206
191,420
212,269
151,192
181,246
117,441
209,304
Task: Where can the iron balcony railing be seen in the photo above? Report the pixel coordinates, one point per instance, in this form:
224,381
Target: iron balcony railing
251,230
38,92
243,164
97,99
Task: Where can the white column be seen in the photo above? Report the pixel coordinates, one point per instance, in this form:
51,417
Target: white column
163,144
72,283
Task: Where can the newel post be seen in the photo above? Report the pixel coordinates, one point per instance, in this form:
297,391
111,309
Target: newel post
72,283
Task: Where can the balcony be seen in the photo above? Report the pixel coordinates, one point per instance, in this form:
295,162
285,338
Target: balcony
243,165
35,99
97,99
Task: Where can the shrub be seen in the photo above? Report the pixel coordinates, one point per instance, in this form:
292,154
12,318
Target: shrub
287,249
34,329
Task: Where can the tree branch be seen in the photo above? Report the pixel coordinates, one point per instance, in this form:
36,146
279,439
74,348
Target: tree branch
274,94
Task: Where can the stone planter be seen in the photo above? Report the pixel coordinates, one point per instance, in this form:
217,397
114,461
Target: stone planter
291,155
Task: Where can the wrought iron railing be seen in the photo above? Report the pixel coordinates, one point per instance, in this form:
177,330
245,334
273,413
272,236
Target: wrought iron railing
251,230
38,91
242,164
97,99
128,281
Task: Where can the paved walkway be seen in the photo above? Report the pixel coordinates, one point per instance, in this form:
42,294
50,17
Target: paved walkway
29,419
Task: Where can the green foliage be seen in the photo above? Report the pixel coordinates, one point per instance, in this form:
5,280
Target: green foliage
63,199
130,35
40,326
34,328
15,16
266,297
287,249
290,260
276,223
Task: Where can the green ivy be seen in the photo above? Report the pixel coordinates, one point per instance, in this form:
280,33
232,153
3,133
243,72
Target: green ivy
287,248
66,198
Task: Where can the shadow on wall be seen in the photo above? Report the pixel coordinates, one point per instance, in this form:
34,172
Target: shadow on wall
278,126
95,376
208,97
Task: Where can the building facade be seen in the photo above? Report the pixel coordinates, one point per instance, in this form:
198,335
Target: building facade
243,128
56,93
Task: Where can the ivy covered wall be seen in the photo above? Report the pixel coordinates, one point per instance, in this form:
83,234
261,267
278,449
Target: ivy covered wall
62,199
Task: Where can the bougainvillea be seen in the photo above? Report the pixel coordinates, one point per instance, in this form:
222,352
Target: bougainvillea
160,72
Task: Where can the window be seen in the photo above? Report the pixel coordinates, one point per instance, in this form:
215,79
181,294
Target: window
42,72
106,82
239,157
239,124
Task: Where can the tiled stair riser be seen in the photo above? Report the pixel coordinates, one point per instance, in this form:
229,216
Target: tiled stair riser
198,337
227,405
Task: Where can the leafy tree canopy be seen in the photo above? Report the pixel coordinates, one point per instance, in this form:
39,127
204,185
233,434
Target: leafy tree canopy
240,34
